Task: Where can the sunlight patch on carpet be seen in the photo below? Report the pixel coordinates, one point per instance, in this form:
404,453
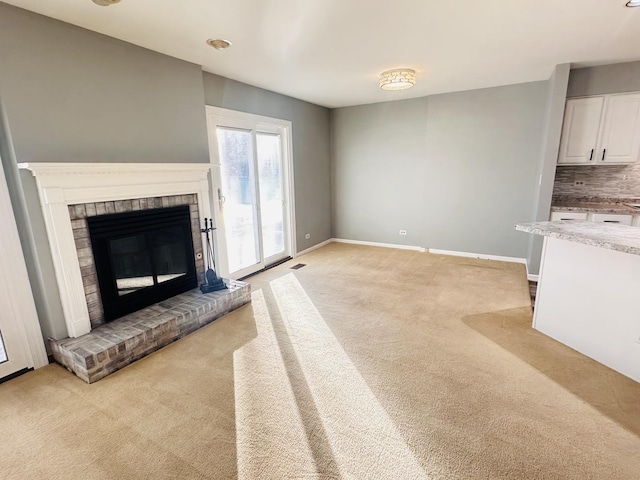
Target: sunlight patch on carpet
362,436
270,437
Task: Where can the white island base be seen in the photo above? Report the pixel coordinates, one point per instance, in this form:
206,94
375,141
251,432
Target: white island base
589,299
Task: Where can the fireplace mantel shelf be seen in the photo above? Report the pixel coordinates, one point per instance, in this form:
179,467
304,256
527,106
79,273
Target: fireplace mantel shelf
73,168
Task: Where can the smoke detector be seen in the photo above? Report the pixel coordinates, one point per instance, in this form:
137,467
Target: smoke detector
105,3
219,43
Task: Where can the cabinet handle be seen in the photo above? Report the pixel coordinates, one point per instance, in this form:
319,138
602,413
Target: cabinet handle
591,156
604,152
611,221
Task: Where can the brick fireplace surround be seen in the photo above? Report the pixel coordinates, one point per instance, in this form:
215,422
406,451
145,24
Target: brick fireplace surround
70,193
80,213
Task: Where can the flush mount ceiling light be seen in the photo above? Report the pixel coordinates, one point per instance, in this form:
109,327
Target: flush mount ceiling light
219,43
397,79
633,3
105,3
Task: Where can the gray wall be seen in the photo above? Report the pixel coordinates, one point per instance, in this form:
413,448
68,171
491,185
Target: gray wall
72,95
556,93
311,156
615,78
455,170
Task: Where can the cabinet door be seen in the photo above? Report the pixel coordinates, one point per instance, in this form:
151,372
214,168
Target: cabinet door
555,216
612,218
620,140
580,130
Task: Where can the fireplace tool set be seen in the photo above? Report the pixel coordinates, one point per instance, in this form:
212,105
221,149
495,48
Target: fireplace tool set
213,282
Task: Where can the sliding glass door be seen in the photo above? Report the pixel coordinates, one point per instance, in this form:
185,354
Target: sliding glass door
272,202
238,199
252,190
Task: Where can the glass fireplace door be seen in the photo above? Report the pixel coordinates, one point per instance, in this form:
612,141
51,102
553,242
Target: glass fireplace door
142,257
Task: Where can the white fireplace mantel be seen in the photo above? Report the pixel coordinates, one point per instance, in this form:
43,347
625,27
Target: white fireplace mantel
63,184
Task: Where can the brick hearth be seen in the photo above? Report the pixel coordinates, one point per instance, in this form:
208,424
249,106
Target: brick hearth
116,344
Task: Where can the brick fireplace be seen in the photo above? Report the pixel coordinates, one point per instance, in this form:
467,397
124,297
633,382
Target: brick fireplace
79,214
71,193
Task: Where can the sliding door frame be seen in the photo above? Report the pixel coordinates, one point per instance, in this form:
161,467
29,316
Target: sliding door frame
225,118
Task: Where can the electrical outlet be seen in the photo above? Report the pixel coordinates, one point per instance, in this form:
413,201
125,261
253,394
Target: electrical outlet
403,232
307,236
578,183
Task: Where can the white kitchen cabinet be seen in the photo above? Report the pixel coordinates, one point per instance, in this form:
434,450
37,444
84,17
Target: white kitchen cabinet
580,130
611,218
555,216
620,140
601,130
618,219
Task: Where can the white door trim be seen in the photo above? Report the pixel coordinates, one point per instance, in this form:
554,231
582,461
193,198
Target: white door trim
259,123
17,291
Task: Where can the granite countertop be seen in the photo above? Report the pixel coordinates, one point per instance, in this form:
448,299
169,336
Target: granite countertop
595,205
621,238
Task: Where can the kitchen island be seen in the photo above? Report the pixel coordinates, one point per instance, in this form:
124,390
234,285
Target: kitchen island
589,290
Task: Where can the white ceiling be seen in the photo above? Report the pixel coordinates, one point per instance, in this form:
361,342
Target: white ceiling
330,52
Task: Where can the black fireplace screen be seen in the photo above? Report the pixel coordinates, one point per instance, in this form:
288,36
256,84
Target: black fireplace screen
142,257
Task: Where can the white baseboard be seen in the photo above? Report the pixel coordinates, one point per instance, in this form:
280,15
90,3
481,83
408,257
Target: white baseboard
315,247
482,256
376,244
499,258
530,276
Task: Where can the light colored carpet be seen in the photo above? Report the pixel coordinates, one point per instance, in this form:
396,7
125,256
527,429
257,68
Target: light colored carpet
366,363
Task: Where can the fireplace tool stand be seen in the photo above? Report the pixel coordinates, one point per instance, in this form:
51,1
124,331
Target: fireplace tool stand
213,281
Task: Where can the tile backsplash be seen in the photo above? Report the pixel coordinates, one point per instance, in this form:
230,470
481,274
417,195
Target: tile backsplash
611,181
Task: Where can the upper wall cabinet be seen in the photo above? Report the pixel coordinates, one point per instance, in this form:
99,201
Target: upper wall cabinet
620,139
601,130
580,130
